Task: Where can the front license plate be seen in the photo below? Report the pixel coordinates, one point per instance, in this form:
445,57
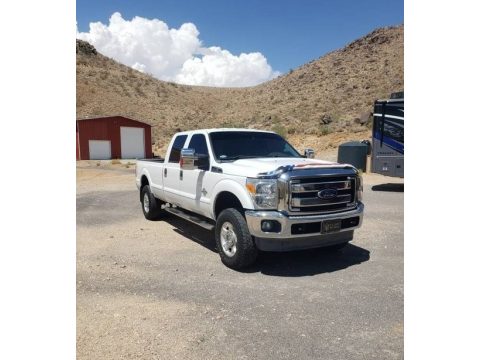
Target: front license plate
330,226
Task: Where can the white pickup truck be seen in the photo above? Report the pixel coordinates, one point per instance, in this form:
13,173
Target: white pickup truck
255,190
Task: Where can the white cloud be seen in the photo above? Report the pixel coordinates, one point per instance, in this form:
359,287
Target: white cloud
149,45
219,67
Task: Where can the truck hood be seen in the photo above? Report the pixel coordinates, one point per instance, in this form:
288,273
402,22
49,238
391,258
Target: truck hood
252,167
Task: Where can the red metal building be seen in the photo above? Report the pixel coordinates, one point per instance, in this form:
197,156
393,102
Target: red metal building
113,137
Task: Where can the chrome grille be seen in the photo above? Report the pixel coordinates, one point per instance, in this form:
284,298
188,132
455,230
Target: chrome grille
305,194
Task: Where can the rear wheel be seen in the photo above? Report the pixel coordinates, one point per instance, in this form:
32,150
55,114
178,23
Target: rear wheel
234,242
151,206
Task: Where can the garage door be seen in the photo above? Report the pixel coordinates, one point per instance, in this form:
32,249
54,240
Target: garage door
100,149
132,142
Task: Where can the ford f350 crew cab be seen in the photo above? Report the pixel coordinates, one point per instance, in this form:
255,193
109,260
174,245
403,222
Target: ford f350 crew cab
255,190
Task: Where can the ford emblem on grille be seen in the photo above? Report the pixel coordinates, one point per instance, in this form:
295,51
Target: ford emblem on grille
327,194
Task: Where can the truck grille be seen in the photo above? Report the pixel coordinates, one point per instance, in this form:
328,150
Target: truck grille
326,194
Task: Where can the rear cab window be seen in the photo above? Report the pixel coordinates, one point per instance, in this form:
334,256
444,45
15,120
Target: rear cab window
177,147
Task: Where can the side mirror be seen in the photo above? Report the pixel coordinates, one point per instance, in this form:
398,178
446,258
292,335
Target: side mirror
309,153
191,161
187,159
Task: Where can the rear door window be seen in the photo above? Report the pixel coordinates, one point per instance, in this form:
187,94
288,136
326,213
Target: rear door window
177,146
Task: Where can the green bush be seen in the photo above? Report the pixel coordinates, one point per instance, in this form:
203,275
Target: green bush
325,130
232,124
280,130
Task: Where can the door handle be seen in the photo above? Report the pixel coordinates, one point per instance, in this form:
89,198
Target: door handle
181,174
165,172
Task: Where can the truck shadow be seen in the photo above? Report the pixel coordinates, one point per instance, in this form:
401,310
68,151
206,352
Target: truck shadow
309,262
392,187
289,264
193,232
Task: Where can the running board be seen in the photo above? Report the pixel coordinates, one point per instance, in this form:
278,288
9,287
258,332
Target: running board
190,217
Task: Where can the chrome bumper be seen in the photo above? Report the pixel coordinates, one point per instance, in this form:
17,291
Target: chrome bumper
255,218
286,241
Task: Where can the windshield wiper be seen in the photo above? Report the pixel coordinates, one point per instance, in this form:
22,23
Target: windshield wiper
283,156
237,157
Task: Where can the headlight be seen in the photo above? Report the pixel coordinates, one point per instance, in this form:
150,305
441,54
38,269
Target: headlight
263,192
359,188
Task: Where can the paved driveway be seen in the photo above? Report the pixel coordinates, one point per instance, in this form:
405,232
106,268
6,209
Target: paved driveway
157,290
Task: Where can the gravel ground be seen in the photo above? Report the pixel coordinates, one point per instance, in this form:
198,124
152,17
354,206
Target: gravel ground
157,289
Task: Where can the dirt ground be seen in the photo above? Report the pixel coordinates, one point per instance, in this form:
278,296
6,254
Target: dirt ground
157,289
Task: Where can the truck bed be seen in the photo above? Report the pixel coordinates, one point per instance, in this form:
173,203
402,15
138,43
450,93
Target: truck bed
157,160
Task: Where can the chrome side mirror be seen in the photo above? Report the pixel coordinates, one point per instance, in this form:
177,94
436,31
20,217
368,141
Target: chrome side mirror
187,159
309,153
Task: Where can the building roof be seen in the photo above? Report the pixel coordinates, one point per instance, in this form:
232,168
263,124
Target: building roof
111,116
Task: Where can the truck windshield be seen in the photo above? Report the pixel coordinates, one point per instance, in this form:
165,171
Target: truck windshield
233,145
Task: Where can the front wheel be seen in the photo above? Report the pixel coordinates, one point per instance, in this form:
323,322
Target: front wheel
234,243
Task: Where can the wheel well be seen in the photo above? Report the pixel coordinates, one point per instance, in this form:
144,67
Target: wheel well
227,200
144,182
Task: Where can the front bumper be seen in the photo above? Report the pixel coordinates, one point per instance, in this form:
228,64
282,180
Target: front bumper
286,240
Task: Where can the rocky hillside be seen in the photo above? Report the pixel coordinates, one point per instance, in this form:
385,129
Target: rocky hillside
319,104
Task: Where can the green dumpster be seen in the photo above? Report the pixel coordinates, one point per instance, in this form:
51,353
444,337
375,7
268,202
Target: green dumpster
353,153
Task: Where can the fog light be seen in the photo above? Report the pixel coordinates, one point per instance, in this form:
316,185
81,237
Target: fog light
271,226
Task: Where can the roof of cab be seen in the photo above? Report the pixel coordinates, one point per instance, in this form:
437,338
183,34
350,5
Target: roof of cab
208,131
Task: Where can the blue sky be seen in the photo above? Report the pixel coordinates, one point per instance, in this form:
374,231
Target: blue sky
287,33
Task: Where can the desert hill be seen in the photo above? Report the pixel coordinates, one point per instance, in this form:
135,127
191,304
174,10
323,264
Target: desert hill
319,104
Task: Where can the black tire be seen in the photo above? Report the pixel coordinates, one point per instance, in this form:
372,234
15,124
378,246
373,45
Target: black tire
246,253
153,208
336,247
